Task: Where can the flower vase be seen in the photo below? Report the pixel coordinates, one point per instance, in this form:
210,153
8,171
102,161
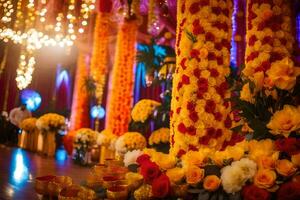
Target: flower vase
106,153
49,144
40,142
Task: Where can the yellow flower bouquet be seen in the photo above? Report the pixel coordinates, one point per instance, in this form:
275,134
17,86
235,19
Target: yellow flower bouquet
29,125
51,122
143,109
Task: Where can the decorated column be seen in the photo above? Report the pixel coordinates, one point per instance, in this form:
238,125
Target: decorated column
200,115
269,46
122,78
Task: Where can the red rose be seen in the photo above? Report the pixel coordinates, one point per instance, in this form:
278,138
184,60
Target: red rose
191,106
289,191
194,8
194,116
252,40
185,79
161,186
182,128
197,72
180,153
182,63
142,158
214,72
150,171
216,10
191,130
228,122
251,192
210,106
290,146
204,140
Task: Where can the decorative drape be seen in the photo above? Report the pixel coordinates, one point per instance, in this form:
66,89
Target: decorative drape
200,116
119,105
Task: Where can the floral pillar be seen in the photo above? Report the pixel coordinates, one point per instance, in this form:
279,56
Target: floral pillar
80,103
99,59
200,116
269,46
119,106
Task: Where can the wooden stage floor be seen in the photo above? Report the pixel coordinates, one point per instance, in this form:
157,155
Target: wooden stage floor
18,168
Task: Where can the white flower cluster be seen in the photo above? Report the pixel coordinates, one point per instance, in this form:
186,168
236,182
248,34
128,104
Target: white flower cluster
235,176
131,156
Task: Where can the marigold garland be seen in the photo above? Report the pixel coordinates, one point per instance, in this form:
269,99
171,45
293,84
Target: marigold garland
122,79
158,136
99,59
80,112
200,116
269,45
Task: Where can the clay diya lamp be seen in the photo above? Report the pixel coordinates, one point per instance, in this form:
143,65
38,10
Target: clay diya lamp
100,169
41,184
117,192
69,193
59,182
110,181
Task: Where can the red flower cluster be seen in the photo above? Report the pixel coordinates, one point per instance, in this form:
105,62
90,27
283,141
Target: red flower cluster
290,146
152,175
251,192
289,191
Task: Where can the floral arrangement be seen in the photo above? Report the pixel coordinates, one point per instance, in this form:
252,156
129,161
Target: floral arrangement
29,125
83,141
99,59
200,113
122,79
263,170
268,90
130,141
158,136
143,109
51,122
106,138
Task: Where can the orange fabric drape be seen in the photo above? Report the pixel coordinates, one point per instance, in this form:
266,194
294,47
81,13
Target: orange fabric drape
119,105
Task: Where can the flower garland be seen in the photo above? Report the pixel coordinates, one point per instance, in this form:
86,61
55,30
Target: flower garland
200,116
99,59
143,109
80,105
122,79
269,45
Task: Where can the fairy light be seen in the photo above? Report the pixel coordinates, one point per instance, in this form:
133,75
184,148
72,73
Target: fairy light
25,69
8,11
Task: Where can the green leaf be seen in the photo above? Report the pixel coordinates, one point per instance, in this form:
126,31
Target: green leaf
191,36
237,129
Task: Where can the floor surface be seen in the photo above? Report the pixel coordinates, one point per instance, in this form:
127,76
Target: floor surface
18,168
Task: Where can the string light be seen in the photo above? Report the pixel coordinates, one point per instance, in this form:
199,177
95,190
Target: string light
24,30
25,69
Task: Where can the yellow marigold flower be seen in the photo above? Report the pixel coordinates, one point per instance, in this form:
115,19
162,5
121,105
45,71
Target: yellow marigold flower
161,135
285,121
143,109
198,158
134,140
